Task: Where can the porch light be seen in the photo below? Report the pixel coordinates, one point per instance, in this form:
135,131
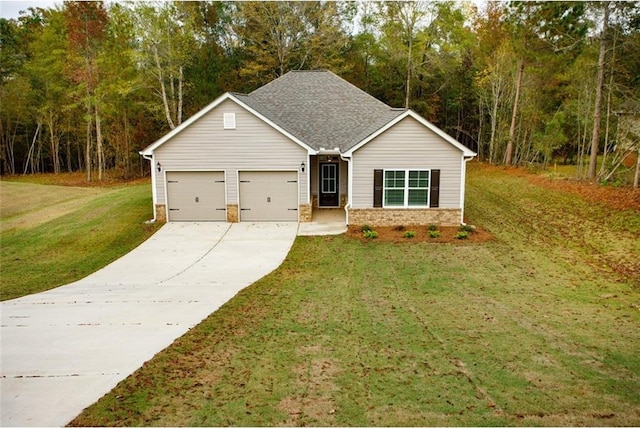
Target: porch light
302,167
159,167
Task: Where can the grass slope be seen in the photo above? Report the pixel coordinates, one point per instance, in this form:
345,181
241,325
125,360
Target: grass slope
533,328
53,235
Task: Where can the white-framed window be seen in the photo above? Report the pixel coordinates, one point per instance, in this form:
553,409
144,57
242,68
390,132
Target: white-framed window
229,120
406,188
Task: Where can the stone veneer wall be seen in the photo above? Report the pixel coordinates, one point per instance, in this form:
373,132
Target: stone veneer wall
161,213
404,217
305,213
232,213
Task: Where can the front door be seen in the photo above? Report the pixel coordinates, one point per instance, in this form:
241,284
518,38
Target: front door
329,193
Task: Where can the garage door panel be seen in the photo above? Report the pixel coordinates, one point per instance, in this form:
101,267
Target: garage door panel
196,196
268,196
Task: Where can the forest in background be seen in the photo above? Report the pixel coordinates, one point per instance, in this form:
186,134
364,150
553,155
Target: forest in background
86,85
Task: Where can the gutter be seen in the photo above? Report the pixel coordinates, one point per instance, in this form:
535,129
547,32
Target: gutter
350,187
464,190
153,186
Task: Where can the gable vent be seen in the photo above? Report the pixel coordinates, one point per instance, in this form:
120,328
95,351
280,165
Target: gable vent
229,120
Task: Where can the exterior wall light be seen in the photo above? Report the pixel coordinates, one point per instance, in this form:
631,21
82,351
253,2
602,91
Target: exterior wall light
302,167
159,167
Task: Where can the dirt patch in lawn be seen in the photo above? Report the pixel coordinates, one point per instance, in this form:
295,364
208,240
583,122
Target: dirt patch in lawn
398,234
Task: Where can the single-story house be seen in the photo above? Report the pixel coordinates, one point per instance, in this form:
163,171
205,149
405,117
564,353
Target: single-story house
307,141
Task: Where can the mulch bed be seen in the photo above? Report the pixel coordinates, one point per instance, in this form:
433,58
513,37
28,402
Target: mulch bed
396,234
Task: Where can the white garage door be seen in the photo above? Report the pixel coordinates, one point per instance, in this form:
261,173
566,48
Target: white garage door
196,196
268,195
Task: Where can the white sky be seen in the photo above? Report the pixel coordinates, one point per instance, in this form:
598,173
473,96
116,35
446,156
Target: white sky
10,9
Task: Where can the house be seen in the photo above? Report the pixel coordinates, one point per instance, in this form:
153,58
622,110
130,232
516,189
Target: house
307,141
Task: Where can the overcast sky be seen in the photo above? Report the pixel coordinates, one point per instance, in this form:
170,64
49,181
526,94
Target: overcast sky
11,8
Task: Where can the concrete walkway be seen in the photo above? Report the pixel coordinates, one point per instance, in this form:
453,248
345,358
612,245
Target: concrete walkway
324,222
65,348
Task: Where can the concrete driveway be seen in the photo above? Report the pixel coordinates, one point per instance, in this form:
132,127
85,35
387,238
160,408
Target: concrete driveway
65,348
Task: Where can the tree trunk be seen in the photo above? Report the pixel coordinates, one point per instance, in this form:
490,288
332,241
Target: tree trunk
480,123
55,144
163,89
494,127
636,177
99,149
87,152
10,147
597,113
408,87
514,114
181,78
29,160
607,122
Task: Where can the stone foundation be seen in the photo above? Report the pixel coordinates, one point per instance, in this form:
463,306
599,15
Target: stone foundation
232,213
404,217
161,213
305,213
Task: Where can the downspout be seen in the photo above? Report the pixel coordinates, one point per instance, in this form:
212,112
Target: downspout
463,188
153,186
349,187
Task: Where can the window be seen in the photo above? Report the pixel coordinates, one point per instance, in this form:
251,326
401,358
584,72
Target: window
229,121
406,188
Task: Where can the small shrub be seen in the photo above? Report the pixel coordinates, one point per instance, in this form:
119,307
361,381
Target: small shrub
433,227
409,234
370,234
365,228
462,235
434,234
398,228
467,228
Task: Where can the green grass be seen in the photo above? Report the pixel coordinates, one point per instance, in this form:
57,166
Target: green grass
538,327
53,235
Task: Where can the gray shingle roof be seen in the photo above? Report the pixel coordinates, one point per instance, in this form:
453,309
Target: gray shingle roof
320,108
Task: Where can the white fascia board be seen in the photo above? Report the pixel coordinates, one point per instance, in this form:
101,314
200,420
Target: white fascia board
465,151
227,96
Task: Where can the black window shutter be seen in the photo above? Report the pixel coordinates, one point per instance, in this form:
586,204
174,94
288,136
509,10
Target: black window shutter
377,188
434,197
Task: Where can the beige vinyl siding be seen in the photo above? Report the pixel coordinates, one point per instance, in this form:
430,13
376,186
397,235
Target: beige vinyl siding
252,145
407,145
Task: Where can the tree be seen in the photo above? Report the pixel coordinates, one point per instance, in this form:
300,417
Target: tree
86,24
597,110
166,41
47,69
277,37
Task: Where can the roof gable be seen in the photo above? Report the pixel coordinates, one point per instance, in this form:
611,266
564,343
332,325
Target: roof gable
409,113
238,99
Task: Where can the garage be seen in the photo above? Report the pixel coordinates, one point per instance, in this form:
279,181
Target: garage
268,195
196,196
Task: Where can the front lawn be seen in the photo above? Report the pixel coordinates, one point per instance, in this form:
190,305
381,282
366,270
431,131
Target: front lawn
539,326
52,235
